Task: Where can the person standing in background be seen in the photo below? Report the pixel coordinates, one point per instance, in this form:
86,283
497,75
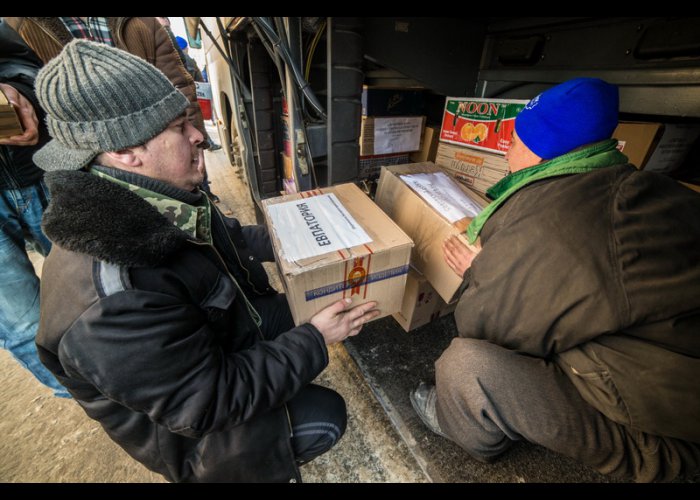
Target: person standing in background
23,199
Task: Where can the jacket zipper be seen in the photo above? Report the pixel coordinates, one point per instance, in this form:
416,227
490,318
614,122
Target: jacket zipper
238,258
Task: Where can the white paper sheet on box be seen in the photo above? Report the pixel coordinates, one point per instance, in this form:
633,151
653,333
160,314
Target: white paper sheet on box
397,134
313,226
443,195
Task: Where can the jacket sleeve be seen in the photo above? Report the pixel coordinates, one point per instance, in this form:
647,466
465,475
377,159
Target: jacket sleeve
156,354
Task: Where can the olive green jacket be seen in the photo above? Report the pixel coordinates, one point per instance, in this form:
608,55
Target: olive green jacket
600,273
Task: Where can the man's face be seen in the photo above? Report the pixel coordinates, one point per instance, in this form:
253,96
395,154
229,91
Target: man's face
519,155
173,156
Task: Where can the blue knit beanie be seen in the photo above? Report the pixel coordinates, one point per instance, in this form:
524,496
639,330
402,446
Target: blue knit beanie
563,118
182,43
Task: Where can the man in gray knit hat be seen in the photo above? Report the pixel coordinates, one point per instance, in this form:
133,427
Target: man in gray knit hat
157,314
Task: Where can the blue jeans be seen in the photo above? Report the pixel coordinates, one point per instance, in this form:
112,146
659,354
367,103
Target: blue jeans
20,224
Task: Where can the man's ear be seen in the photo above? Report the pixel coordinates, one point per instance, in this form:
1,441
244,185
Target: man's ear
125,157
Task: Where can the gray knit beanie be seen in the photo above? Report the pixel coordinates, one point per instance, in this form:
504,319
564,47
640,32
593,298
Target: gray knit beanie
98,98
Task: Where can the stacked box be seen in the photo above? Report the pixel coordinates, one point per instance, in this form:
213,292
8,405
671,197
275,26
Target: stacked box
429,146
390,135
637,140
484,124
370,166
391,102
335,243
475,169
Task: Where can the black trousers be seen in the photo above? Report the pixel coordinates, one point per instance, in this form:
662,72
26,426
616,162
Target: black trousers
318,414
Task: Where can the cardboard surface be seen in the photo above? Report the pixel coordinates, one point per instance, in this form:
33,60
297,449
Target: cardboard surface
691,186
428,147
423,224
475,169
391,102
370,166
421,303
389,135
485,124
9,121
673,147
372,271
637,140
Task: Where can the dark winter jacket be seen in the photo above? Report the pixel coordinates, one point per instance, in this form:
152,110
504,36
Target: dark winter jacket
147,330
599,272
141,36
18,67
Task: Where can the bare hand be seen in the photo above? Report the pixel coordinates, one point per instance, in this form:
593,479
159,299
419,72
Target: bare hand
27,116
336,322
459,254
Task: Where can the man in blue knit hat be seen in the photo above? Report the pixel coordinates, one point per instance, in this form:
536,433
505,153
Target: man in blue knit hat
579,329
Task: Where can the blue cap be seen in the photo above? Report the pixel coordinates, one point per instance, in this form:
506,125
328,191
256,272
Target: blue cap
577,112
181,42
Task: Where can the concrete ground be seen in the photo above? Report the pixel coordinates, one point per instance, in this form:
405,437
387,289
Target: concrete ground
46,439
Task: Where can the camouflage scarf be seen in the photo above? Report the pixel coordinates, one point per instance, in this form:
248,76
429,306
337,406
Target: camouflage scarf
194,220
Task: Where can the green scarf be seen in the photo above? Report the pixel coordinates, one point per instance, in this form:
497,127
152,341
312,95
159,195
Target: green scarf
194,220
600,155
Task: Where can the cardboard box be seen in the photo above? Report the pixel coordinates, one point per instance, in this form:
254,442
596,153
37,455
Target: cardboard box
485,124
391,102
370,166
673,147
287,166
427,226
390,135
691,186
9,121
333,243
428,146
475,169
637,140
421,303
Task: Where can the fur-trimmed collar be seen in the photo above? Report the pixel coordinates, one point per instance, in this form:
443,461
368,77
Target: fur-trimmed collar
96,217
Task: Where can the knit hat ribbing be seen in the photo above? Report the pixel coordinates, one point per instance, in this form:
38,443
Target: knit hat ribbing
574,113
98,98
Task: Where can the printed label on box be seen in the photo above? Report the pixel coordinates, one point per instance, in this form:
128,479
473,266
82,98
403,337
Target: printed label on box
397,134
485,124
314,226
443,195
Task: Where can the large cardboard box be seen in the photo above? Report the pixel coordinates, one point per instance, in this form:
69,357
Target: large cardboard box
673,147
637,140
421,303
428,147
334,243
475,169
370,166
426,225
381,135
691,186
391,102
9,121
485,124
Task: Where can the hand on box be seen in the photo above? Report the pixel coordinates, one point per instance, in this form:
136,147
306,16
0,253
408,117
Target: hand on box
27,117
459,254
336,322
